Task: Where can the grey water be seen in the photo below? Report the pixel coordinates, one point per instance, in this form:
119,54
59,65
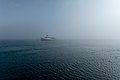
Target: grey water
60,60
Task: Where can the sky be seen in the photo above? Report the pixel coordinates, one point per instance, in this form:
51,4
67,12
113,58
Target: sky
63,19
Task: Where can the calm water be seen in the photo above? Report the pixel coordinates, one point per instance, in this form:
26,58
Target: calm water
60,60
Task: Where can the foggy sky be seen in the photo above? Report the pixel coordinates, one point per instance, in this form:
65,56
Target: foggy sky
63,19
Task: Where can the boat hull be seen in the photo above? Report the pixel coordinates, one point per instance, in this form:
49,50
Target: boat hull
45,39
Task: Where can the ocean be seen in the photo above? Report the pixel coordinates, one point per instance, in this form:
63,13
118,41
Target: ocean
60,60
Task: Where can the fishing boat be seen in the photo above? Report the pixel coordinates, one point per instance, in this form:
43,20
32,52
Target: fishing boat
47,38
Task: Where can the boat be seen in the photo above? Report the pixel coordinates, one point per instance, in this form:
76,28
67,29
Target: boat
47,38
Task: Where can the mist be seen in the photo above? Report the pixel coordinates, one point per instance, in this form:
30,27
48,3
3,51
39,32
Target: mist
63,19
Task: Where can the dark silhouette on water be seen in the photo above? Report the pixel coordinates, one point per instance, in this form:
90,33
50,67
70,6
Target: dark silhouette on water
47,38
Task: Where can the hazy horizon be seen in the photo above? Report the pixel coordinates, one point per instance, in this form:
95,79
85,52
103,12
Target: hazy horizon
63,19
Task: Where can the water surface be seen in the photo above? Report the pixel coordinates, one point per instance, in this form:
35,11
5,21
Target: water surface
60,60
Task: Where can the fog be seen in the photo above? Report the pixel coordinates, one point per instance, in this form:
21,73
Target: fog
63,19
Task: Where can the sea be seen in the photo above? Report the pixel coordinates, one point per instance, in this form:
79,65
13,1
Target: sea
60,60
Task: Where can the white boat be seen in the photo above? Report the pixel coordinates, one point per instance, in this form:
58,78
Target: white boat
47,38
